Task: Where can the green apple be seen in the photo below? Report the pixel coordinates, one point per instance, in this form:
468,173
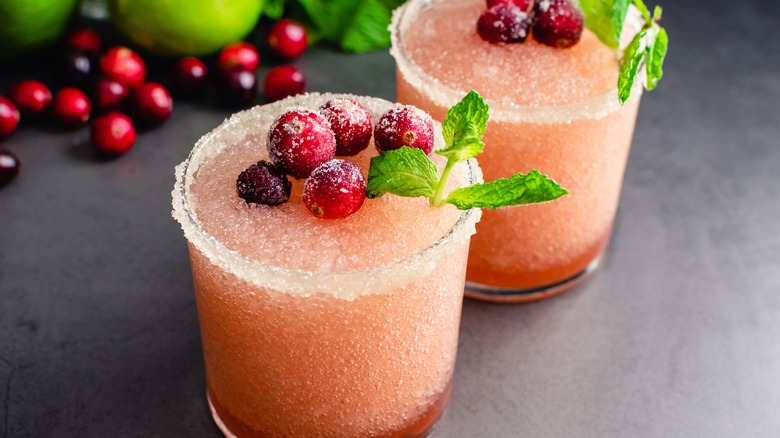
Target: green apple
26,25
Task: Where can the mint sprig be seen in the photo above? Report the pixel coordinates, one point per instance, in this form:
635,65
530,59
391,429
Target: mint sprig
409,172
606,18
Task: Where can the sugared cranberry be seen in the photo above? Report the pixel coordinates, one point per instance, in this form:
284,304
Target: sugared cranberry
264,183
71,107
9,117
503,23
284,81
77,66
237,86
108,94
85,40
288,39
123,65
558,23
189,76
151,103
351,124
31,98
404,126
300,140
9,167
334,190
112,133
239,54
525,5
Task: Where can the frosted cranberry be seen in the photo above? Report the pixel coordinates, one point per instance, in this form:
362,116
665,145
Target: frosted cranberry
108,94
239,54
288,39
77,66
86,40
525,5
189,76
334,190
558,23
237,86
71,107
9,167
31,98
351,124
300,140
503,23
404,126
284,81
151,103
264,183
112,133
9,117
123,65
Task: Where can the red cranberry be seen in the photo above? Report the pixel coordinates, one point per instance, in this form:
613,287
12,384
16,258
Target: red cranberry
288,39
237,86
113,133
123,65
558,23
334,190
239,54
300,140
525,5
404,126
108,94
503,23
189,76
71,107
31,98
351,124
9,117
264,183
151,103
9,167
78,66
284,81
85,40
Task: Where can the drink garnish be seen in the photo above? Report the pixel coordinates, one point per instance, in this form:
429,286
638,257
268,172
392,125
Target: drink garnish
409,172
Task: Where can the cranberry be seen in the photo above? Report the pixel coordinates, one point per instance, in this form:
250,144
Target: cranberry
558,23
284,81
9,117
525,5
108,94
71,107
288,39
9,167
85,40
123,65
334,190
77,67
404,126
239,54
503,23
300,140
351,124
264,183
189,76
151,103
237,86
113,133
31,97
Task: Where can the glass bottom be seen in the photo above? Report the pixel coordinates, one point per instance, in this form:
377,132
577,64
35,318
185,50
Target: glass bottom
497,294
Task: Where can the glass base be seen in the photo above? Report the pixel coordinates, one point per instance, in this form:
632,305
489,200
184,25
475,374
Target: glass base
497,294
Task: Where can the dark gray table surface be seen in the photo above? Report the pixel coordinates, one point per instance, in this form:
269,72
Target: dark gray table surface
677,335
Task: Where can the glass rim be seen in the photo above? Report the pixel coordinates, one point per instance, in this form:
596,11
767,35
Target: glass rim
368,281
594,107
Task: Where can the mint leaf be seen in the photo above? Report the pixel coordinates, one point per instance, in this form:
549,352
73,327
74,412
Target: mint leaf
404,172
655,58
274,8
643,10
518,190
605,18
629,66
463,128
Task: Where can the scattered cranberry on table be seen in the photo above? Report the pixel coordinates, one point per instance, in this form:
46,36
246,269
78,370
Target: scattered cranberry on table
108,94
237,86
284,81
189,76
239,54
288,39
9,167
78,67
71,107
151,103
123,65
31,97
9,117
112,134
86,40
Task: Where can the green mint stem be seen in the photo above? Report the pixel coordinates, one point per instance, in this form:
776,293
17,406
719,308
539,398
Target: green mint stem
436,200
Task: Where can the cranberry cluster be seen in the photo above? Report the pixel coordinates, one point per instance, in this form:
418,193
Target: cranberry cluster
113,85
556,23
303,143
